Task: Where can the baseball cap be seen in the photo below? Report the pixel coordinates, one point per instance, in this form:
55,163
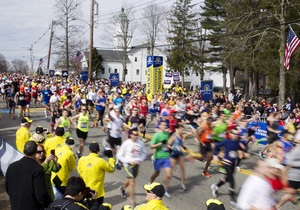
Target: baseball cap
70,141
40,130
214,204
26,120
156,188
164,114
116,107
127,207
173,111
94,147
274,163
105,206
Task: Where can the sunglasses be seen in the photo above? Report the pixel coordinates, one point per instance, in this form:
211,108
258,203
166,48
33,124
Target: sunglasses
134,134
148,191
83,109
40,151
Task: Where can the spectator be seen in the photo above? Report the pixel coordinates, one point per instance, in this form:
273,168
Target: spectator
25,182
56,141
23,134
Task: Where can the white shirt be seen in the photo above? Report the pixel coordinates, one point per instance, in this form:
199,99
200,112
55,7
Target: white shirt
131,151
256,192
91,96
115,125
54,99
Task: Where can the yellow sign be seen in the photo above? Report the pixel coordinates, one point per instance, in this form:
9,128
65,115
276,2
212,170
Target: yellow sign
154,74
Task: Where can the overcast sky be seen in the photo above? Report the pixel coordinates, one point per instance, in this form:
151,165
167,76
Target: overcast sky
26,23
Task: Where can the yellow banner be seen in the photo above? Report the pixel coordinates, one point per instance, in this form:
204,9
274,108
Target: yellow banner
154,75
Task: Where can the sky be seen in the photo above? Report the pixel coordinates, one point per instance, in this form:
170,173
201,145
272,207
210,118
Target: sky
27,23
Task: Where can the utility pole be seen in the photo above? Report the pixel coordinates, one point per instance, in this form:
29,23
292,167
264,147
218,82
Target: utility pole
282,70
90,73
31,57
50,44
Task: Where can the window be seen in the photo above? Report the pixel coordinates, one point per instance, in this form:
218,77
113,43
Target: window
103,70
116,70
108,70
137,72
197,74
126,71
135,59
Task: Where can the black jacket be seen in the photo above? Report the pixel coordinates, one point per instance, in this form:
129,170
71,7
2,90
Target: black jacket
26,186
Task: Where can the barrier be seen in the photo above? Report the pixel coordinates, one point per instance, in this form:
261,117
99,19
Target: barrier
261,132
8,155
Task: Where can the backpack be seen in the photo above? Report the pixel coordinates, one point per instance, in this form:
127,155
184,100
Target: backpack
56,206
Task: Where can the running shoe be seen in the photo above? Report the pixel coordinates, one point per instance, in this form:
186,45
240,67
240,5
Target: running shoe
144,139
261,154
183,187
147,126
167,195
214,190
47,119
78,154
205,173
117,166
238,168
105,144
123,193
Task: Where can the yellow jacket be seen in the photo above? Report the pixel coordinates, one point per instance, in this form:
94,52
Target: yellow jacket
152,205
92,170
53,143
66,159
22,136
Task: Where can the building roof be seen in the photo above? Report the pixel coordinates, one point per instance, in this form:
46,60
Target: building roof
135,49
112,55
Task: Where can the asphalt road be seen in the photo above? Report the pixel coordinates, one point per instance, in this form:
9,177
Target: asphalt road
198,186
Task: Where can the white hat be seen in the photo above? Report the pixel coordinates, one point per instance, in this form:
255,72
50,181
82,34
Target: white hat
83,101
274,163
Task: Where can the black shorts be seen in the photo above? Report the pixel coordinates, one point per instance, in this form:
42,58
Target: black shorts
206,148
272,137
22,103
132,172
294,184
251,132
89,103
142,121
81,134
114,141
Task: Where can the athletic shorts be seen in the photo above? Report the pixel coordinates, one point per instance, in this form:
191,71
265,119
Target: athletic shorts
34,96
153,115
294,184
142,121
161,163
114,141
22,103
132,172
251,132
176,154
206,148
27,103
272,138
89,103
81,134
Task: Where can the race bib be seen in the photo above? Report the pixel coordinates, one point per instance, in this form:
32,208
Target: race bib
83,124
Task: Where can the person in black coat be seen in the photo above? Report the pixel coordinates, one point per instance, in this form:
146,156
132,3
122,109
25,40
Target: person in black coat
25,182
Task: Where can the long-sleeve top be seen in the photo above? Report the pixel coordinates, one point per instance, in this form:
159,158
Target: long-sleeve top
293,160
132,151
92,170
26,186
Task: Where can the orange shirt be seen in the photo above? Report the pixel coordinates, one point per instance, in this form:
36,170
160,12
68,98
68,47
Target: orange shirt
204,136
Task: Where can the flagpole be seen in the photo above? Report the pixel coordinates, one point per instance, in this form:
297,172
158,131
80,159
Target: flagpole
50,44
90,76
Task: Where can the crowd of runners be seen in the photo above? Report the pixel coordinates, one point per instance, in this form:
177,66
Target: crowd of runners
223,128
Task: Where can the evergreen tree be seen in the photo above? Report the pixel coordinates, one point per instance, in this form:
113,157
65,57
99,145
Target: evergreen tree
181,37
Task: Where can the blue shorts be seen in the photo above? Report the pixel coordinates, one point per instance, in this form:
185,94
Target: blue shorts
162,163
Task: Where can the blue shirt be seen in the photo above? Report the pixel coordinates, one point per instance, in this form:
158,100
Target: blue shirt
99,107
231,148
46,95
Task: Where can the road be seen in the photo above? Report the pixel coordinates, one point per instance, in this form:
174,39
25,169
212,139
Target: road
198,186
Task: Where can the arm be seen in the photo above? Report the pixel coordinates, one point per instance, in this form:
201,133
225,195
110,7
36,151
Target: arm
74,118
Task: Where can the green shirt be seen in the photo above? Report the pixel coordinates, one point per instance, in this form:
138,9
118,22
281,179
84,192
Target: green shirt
163,150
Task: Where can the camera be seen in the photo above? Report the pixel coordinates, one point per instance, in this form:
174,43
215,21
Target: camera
88,193
52,152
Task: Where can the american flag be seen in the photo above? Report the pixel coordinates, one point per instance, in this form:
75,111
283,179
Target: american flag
78,56
292,43
41,61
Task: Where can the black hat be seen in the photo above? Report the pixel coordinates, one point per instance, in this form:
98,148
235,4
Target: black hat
156,188
94,147
40,130
70,141
26,120
60,131
105,206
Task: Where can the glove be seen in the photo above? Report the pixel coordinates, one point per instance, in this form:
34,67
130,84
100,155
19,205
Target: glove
108,153
164,141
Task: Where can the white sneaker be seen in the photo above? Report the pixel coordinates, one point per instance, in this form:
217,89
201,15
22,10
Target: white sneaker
183,187
214,189
238,168
167,195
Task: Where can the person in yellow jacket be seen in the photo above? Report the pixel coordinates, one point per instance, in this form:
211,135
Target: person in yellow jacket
55,142
66,158
82,127
92,168
23,134
154,195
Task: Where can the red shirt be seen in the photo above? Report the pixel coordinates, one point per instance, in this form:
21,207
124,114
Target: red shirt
143,111
173,122
276,183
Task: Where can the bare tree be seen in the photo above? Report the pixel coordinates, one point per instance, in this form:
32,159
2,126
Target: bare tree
152,24
19,66
67,12
3,64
